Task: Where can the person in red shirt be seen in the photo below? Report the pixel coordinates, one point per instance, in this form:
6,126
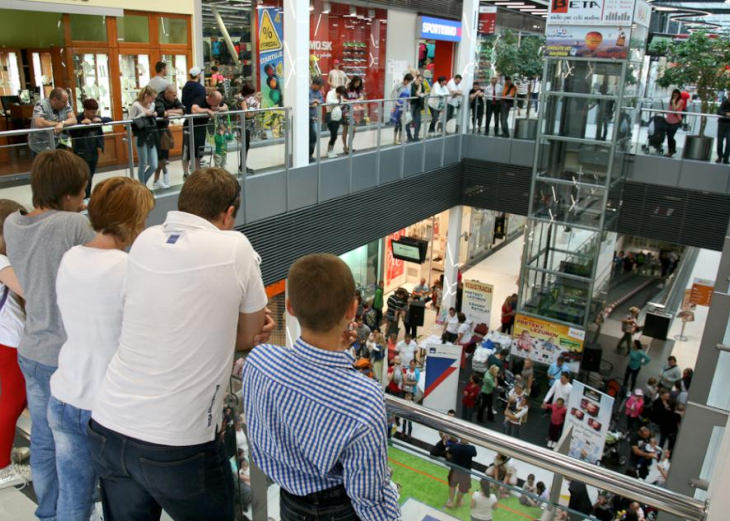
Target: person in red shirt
469,401
507,316
396,378
557,419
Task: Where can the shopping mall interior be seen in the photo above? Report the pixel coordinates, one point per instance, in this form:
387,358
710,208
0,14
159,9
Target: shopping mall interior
531,197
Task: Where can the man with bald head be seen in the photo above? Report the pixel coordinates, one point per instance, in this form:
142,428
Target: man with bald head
167,104
210,105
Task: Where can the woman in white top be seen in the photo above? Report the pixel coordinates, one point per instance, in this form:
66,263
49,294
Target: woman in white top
335,97
464,332
483,502
12,383
89,289
437,101
451,328
145,129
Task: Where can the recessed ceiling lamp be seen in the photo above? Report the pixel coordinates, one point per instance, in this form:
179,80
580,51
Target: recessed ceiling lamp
665,9
511,4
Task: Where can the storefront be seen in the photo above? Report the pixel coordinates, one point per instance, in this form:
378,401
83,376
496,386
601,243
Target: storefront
436,46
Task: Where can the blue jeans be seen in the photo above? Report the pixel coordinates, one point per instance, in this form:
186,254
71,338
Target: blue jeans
42,447
332,504
76,476
147,155
139,479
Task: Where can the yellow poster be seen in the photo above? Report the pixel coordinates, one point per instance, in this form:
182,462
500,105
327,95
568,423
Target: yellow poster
543,341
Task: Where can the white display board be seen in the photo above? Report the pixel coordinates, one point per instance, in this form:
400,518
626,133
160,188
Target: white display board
441,386
589,415
477,301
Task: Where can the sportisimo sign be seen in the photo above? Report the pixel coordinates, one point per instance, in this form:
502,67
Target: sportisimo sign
440,29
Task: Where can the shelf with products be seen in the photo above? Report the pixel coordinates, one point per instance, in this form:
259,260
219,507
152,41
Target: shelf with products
134,75
92,81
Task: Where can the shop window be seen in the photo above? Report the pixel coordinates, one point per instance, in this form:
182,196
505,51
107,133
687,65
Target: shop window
88,28
134,74
92,81
43,73
133,28
177,66
173,30
9,74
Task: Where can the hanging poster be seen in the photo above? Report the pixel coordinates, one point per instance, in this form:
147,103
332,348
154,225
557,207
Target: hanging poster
477,301
271,56
394,268
589,415
587,42
544,341
487,19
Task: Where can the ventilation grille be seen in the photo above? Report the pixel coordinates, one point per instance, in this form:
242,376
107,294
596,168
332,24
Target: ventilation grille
496,186
346,223
448,8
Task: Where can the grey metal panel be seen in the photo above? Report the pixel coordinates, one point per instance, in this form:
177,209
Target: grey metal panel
433,154
700,175
452,152
364,171
522,152
302,187
163,204
413,162
390,165
265,196
496,186
337,225
334,179
656,170
488,148
717,319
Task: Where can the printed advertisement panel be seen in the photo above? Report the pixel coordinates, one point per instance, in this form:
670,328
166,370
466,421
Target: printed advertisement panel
441,386
439,29
589,414
477,301
543,341
271,56
701,293
587,42
487,19
591,12
393,267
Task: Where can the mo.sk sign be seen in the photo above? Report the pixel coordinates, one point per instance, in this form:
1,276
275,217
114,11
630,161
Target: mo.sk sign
439,29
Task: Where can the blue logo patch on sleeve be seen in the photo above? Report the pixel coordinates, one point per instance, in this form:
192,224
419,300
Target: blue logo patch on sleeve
173,239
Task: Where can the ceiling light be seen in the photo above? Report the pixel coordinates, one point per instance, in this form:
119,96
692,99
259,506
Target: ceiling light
665,9
511,4
311,5
327,8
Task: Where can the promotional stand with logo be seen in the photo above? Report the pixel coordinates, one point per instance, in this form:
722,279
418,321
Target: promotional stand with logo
441,385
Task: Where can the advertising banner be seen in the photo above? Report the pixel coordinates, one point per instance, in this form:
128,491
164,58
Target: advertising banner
591,12
701,294
439,29
587,42
543,341
393,267
487,19
589,414
441,387
271,56
477,301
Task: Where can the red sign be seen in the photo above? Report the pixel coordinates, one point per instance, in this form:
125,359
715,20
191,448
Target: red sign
701,293
393,267
487,19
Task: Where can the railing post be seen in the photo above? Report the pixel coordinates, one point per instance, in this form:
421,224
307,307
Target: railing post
243,161
287,115
192,153
130,149
378,135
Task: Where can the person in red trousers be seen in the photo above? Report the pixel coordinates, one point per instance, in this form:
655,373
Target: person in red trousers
12,383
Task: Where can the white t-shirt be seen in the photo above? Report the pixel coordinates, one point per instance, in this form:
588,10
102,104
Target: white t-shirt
89,289
483,506
407,352
465,330
186,284
337,78
452,324
12,316
451,86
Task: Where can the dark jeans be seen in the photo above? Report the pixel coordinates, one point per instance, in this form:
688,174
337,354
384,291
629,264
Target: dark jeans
407,428
485,402
554,431
504,117
627,339
313,124
378,318
477,117
507,328
632,374
92,170
334,127
723,141
450,110
493,109
671,131
435,115
416,124
411,330
139,479
534,96
467,413
331,504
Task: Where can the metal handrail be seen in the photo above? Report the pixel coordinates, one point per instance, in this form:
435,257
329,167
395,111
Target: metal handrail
664,111
599,477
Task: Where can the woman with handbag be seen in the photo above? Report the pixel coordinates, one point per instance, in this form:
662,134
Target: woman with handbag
142,113
674,120
167,104
250,101
354,93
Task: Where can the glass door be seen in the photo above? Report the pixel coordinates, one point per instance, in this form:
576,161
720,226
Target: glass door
9,74
134,74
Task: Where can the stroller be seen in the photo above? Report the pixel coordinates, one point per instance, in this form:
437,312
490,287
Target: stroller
611,454
657,135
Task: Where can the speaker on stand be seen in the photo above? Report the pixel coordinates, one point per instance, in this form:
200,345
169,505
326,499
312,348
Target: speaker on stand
591,361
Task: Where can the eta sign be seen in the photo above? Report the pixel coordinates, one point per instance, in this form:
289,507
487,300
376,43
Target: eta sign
562,6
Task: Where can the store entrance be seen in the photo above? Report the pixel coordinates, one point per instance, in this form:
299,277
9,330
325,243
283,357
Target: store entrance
435,58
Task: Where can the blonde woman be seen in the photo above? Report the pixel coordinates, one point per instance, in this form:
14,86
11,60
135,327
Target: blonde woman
142,113
89,290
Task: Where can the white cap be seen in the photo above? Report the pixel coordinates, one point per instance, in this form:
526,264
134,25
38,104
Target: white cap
195,71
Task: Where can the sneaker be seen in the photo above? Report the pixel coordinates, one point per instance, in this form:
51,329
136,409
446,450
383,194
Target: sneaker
331,155
157,185
249,170
14,475
165,179
19,454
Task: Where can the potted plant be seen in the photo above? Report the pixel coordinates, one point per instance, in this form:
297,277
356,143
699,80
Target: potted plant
698,60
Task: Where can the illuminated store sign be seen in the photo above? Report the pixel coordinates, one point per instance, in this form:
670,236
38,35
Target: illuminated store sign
440,29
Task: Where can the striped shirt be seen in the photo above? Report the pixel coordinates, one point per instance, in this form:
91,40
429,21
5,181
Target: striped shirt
315,423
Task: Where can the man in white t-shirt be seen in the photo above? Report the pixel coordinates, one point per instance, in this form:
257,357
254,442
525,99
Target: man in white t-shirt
456,96
193,295
406,349
560,389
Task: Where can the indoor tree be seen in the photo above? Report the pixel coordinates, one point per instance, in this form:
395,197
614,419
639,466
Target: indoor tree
530,61
506,53
698,60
